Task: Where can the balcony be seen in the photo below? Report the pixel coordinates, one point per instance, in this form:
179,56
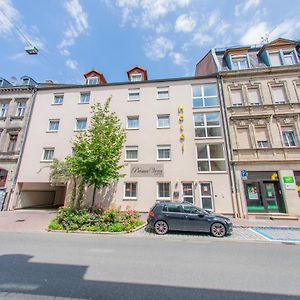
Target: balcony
9,156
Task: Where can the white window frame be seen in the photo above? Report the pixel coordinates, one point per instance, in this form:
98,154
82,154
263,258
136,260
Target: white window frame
259,93
211,192
136,189
91,79
164,147
136,92
167,116
162,93
263,144
209,159
272,53
3,109
136,77
21,106
238,59
49,125
170,191
289,53
284,131
133,118
76,124
135,148
44,152
82,96
188,196
205,127
58,96
284,91
203,97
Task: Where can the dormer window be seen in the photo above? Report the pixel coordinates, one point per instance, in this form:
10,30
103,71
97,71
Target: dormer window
239,63
136,77
25,81
1,82
289,58
92,80
275,59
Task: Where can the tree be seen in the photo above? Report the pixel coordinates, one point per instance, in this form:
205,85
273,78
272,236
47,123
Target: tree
97,151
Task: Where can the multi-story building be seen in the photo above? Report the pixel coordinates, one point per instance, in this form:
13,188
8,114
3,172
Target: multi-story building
260,85
15,106
174,148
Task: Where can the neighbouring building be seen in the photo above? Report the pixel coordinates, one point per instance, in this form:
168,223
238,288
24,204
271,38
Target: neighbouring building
260,87
15,107
174,148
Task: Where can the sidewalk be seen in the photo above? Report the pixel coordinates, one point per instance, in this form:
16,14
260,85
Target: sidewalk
265,223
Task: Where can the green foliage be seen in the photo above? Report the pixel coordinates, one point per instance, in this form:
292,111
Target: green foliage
111,220
60,172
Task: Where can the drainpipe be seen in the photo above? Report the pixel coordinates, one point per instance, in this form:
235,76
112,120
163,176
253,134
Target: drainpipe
228,144
26,129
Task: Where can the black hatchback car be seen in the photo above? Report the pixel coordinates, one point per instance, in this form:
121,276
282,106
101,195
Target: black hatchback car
165,216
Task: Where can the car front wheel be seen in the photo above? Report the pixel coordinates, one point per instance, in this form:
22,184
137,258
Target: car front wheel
218,230
161,227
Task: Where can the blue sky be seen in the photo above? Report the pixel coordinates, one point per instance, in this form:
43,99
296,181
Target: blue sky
167,37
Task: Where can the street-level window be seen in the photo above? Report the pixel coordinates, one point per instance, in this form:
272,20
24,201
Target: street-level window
210,158
236,97
206,195
134,94
207,124
85,97
289,58
289,138
3,109
164,152
92,80
48,154
131,153
188,192
130,190
239,63
205,95
279,94
53,125
20,109
12,142
163,92
163,121
254,96
81,124
275,59
164,190
136,77
58,99
133,122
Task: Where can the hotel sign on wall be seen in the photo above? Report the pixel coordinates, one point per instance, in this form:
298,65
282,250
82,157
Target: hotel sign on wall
147,170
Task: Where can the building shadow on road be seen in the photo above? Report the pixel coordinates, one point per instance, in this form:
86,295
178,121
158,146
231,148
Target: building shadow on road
19,275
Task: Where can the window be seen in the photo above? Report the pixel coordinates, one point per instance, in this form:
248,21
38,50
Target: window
176,208
210,158
131,153
133,122
164,191
20,109
205,95
53,125
136,77
134,94
254,96
206,195
12,142
236,97
25,81
243,138
279,94
92,80
3,110
289,138
239,63
262,139
163,92
187,192
85,97
58,99
81,124
289,58
191,209
207,124
275,59
48,154
163,121
130,191
163,152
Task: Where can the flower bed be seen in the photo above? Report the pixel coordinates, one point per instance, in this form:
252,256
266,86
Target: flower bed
109,220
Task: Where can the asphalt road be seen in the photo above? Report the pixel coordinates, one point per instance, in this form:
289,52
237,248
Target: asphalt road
83,266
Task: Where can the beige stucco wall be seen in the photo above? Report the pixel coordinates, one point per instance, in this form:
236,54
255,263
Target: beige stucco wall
181,167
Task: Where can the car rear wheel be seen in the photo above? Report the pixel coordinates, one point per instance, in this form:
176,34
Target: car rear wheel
218,230
161,227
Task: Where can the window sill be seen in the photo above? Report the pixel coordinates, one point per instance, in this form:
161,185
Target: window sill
163,98
56,104
132,128
83,102
51,131
129,199
46,161
163,199
131,100
165,159
79,130
208,137
131,160
163,127
212,172
16,117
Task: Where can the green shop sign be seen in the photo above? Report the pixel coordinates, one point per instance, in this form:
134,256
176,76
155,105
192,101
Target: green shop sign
288,179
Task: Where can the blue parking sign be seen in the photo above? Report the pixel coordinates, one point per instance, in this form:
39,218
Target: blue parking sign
244,173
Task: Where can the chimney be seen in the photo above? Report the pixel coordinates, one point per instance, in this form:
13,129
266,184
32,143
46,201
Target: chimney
95,77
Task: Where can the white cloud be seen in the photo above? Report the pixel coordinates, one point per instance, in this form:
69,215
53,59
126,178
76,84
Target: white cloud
242,8
71,63
178,58
213,18
287,29
185,23
8,15
158,48
255,33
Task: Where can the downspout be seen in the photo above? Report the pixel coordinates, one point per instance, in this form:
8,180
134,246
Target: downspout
26,129
228,144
